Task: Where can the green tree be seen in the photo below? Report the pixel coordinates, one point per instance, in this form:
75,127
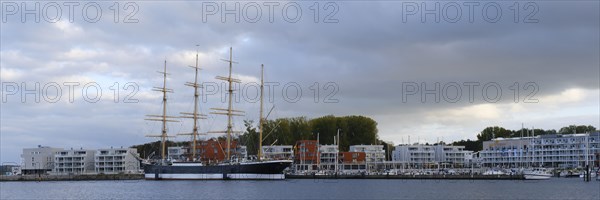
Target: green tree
494,132
300,128
286,131
362,130
354,130
471,145
576,128
326,127
250,138
388,147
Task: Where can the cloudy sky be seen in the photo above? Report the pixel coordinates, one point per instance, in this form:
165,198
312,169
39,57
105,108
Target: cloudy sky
429,70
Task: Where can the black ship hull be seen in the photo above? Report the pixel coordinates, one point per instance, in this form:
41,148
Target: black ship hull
269,170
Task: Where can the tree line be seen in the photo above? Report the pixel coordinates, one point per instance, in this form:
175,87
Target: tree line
354,130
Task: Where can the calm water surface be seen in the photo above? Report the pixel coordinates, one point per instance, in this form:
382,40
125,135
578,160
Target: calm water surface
556,188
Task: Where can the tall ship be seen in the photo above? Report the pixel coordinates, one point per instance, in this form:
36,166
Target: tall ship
194,169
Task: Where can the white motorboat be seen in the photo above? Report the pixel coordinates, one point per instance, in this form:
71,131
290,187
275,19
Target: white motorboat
537,174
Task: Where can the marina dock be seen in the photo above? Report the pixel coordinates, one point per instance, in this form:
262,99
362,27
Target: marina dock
141,176
453,177
79,177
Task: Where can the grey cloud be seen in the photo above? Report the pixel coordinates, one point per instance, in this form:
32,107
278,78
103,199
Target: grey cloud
368,54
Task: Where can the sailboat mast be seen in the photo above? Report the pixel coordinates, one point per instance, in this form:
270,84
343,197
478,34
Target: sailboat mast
337,153
260,121
521,147
229,110
229,114
318,150
164,115
195,117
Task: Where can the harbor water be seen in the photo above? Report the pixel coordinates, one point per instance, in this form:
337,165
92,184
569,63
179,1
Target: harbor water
555,188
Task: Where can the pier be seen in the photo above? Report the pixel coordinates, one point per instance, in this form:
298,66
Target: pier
453,177
78,177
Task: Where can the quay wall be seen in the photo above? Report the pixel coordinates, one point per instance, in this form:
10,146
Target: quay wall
79,177
457,177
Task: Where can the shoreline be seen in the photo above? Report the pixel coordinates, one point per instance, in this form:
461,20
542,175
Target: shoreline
92,177
441,177
79,177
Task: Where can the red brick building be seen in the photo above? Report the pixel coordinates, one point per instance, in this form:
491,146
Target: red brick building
213,151
352,157
306,151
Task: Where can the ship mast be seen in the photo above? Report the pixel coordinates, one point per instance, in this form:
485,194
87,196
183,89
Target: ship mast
260,120
195,115
229,111
162,118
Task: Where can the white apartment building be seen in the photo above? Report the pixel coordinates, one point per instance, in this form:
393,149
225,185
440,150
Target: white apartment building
415,155
421,155
558,151
328,154
38,160
373,153
116,160
176,153
74,161
453,155
278,152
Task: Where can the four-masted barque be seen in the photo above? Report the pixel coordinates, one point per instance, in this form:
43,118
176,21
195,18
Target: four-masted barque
229,168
